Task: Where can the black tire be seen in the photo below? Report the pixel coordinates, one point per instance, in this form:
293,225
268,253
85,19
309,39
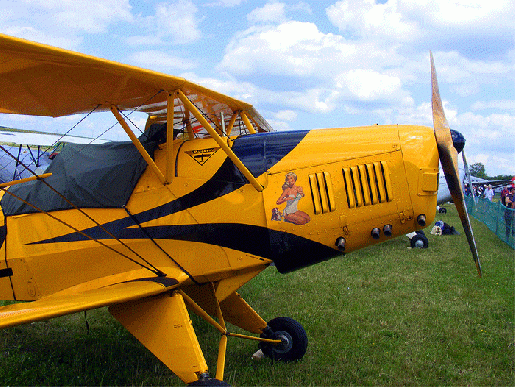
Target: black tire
209,382
442,210
293,336
420,241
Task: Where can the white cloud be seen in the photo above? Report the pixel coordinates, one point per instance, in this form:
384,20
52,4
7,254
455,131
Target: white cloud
173,22
291,48
178,20
494,104
492,136
366,19
271,12
408,20
67,42
453,67
311,100
286,115
461,13
91,16
367,85
225,3
161,61
240,90
302,6
375,69
300,56
61,23
279,125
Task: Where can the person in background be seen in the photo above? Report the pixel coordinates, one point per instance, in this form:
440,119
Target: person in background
467,190
509,213
504,193
489,192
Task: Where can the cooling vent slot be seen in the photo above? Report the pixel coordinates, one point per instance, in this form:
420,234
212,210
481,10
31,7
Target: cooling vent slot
367,184
322,192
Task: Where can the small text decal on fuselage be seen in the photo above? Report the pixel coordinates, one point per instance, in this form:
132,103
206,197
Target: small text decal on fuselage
202,155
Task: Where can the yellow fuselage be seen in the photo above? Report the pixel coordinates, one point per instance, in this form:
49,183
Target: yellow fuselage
320,187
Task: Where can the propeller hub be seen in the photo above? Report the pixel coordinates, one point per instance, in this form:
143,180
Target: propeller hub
458,141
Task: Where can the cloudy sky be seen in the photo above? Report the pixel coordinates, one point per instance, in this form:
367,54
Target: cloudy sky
305,64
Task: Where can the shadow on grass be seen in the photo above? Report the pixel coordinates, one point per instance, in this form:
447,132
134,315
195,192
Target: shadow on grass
62,352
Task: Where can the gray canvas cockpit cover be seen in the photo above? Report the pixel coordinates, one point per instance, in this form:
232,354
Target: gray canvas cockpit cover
92,176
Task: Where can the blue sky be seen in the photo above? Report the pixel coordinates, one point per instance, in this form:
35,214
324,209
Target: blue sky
304,64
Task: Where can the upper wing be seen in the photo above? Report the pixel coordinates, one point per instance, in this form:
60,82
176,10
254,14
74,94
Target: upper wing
64,303
34,138
47,81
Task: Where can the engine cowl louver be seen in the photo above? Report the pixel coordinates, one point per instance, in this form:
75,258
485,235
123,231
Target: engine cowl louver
367,184
322,192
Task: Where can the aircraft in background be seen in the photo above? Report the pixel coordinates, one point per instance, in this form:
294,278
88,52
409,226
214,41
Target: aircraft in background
201,202
32,149
444,195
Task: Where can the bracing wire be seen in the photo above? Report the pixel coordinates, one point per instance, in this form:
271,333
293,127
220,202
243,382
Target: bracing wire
151,268
69,130
137,222
128,119
154,269
126,116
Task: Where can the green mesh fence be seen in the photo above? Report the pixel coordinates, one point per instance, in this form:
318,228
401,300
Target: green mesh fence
499,219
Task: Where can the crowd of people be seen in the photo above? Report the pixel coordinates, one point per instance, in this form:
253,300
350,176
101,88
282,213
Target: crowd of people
480,191
507,200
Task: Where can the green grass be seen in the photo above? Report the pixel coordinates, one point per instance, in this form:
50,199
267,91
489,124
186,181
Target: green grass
385,315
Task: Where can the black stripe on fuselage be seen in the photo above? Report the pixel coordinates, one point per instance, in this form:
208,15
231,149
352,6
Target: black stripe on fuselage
288,251
224,181
227,178
259,153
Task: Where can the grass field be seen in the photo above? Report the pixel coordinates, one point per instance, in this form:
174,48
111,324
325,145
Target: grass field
385,315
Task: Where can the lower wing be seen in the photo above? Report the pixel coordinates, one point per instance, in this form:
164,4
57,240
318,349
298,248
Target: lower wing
63,303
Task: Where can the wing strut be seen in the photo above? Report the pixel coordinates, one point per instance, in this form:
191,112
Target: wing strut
138,145
247,123
228,130
170,110
32,178
220,141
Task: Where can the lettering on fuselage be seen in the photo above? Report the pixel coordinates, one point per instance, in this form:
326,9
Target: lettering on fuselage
202,155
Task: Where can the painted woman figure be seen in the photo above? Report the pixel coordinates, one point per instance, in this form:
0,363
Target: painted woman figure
291,195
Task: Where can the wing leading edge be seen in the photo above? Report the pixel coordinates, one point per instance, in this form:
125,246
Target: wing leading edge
48,81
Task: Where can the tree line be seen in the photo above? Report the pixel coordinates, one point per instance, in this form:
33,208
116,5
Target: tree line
478,170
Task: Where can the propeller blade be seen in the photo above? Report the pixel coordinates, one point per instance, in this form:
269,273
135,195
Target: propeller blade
449,160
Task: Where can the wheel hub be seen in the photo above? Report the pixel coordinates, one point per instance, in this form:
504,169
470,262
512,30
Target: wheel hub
419,243
286,342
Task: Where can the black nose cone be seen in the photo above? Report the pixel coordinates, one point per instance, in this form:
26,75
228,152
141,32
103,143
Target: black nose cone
457,140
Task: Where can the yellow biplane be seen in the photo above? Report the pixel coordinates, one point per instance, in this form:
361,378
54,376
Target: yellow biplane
208,196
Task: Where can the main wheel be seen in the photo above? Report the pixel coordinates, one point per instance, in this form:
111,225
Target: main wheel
294,340
209,382
420,241
442,210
